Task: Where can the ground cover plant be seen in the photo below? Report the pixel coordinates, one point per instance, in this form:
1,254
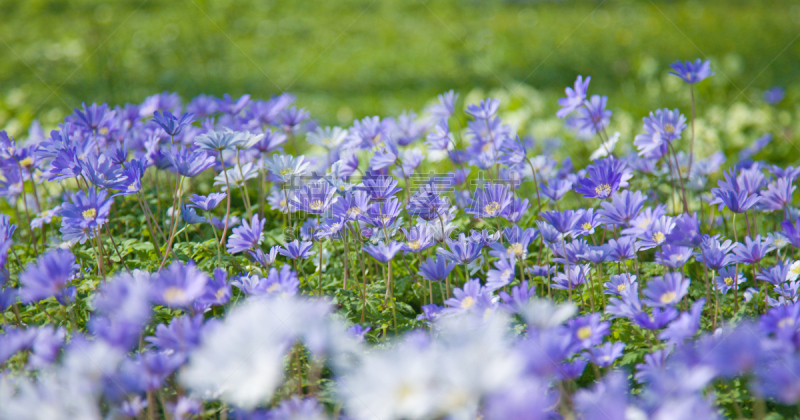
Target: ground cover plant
230,258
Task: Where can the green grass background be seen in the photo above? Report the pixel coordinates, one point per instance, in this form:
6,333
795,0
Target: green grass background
347,59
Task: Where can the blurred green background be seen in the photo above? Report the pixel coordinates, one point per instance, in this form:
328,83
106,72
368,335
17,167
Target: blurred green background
345,59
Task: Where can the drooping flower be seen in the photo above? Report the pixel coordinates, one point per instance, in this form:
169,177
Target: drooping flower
380,187
190,163
593,117
460,251
207,203
436,268
383,252
297,250
217,141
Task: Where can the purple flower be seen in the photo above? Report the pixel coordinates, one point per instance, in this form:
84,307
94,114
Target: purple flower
776,274
383,214
48,276
727,279
622,249
686,231
461,251
92,117
218,291
246,236
752,251
587,331
314,198
220,223
298,408
604,355
792,231
778,195
207,203
575,97
686,325
657,320
190,216
182,335
692,72
774,95
779,380
592,118
489,201
359,331
86,213
660,129
380,187
782,321
572,278
440,137
715,254
673,256
436,268
563,221
519,297
190,163
297,250
556,188
624,206
471,297
446,106
515,210
102,172
418,239
178,285
170,123
486,110
602,180
730,195
382,252
501,275
667,290
756,147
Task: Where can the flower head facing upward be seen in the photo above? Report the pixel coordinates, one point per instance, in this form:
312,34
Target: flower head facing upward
81,218
692,72
490,201
602,180
667,290
48,276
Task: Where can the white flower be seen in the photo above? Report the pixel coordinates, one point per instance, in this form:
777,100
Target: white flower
328,137
235,176
794,271
606,148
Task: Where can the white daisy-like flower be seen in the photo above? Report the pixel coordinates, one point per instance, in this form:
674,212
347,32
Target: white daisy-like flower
606,148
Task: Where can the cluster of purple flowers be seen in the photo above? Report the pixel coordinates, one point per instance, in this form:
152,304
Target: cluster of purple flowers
192,237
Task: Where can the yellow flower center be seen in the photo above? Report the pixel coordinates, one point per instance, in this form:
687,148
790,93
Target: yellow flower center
679,257
467,303
354,211
415,245
658,237
785,322
174,295
90,214
668,297
603,189
492,208
486,147
516,249
315,205
385,219
287,171
584,332
272,287
46,213
28,161
669,128
622,287
506,274
643,223
283,203
103,131
220,293
728,281
795,270
586,226
132,187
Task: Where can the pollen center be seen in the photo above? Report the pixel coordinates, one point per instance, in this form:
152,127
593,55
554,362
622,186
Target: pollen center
658,237
584,332
492,208
90,214
668,297
621,288
354,211
728,280
785,322
174,295
669,128
286,171
315,205
603,189
415,245
467,303
586,226
28,161
516,249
